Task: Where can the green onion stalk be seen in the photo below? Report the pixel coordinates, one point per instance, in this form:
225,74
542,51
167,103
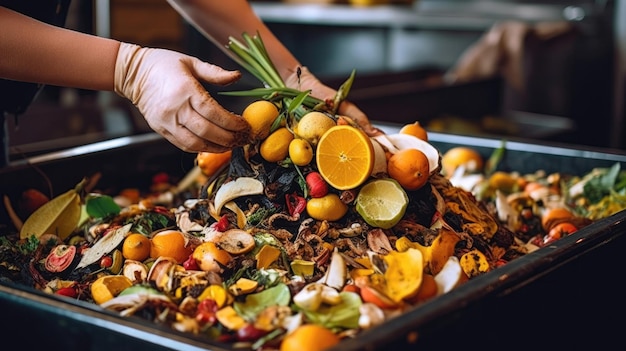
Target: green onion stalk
253,57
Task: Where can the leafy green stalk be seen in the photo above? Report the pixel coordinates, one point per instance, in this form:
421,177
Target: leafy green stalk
260,53
252,55
276,94
254,58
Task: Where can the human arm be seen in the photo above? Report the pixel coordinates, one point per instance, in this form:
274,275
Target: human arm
33,51
219,20
163,84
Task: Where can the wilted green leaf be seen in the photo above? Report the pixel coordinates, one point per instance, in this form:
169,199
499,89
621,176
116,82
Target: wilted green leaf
343,315
256,303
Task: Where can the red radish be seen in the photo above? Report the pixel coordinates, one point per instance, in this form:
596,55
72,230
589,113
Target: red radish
316,184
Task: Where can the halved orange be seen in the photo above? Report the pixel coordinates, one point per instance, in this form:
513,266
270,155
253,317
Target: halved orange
344,157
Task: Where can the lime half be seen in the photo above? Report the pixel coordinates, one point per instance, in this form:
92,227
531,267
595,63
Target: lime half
382,203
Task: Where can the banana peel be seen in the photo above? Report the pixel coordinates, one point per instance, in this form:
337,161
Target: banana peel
60,216
436,255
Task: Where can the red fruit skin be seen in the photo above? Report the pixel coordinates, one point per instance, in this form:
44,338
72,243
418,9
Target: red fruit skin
106,261
69,292
30,201
190,264
250,333
316,184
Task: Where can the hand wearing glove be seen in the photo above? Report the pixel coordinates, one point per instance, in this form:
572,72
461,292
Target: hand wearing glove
164,86
218,20
307,81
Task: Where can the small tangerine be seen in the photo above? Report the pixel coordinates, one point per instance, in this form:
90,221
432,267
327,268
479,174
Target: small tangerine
170,243
136,247
416,130
410,168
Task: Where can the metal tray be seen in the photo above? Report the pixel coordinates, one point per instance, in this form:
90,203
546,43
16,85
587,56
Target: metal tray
563,295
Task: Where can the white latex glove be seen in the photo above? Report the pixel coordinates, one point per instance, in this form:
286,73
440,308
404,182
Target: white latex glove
307,81
165,87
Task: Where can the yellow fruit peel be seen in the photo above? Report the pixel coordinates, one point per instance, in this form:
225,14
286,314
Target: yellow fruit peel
474,263
404,273
59,216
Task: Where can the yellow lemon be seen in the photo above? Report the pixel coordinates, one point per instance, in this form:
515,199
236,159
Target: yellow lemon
300,152
328,207
260,115
275,147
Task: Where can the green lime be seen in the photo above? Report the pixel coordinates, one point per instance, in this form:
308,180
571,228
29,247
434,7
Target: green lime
382,203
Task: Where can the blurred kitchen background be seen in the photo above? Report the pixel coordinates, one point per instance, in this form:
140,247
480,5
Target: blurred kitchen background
557,74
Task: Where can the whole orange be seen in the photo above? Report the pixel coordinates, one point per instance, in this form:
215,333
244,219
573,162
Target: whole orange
410,168
170,243
309,337
415,129
136,247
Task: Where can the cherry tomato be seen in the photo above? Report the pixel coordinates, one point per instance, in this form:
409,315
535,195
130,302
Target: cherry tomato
106,261
558,231
562,229
501,262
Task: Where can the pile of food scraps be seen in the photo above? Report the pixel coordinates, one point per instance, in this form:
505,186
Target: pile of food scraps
268,252
312,233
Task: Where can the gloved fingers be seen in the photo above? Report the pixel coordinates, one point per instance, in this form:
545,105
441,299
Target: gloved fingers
183,138
223,128
351,110
302,79
213,74
307,81
208,108
165,87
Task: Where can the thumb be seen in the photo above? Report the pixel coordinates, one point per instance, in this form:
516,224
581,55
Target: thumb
213,74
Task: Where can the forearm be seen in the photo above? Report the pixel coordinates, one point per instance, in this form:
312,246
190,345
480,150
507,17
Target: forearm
34,51
218,20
